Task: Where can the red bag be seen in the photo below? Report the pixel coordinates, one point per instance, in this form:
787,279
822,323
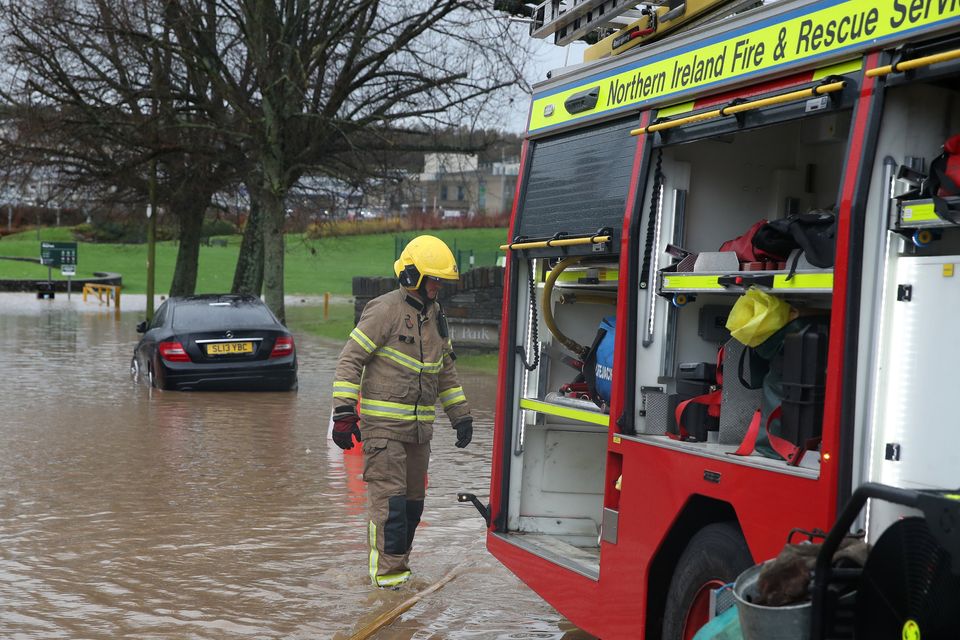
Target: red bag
945,169
944,180
743,245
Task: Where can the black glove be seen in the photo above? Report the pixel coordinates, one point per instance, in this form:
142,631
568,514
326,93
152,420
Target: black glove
345,421
464,431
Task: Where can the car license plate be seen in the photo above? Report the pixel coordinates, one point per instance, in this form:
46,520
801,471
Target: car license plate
228,348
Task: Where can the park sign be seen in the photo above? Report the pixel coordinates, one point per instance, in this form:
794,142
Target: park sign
792,37
57,254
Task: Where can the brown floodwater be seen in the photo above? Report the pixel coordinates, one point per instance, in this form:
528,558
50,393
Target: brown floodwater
132,513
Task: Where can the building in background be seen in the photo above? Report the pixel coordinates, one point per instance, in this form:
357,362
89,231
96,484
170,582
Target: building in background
497,185
450,186
457,184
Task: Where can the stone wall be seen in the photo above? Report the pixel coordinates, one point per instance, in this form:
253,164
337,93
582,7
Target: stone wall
76,284
472,307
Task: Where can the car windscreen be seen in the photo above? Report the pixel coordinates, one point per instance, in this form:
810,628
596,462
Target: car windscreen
220,316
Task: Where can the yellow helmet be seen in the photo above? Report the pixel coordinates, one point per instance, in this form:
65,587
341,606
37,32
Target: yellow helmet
425,256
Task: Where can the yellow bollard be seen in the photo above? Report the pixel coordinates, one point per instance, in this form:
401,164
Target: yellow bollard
326,306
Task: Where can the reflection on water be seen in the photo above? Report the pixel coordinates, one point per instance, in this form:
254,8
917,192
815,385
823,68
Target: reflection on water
131,513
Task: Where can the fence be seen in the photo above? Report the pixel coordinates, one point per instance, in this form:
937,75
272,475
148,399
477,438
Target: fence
467,257
472,307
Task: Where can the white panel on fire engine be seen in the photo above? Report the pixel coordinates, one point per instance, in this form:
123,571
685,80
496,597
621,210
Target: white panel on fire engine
572,462
917,118
917,437
563,471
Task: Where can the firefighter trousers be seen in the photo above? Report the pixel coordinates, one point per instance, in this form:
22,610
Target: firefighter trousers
396,477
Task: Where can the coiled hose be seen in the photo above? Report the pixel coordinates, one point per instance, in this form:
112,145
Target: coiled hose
578,349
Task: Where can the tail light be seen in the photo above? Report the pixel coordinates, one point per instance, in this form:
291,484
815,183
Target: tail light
282,347
173,351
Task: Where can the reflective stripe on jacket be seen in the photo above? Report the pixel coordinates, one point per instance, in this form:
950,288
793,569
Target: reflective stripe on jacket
397,366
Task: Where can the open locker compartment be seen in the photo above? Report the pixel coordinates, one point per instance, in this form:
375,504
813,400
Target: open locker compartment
559,447
577,187
714,188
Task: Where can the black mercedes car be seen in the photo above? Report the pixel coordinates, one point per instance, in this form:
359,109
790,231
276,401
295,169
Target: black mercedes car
215,342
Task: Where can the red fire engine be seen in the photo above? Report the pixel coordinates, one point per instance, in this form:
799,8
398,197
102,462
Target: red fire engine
635,170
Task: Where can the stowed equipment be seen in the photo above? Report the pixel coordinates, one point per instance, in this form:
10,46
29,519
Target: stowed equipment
910,584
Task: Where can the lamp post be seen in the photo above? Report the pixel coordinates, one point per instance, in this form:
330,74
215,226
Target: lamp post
151,237
152,181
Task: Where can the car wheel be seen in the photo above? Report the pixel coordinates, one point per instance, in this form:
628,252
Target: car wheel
715,556
151,381
135,370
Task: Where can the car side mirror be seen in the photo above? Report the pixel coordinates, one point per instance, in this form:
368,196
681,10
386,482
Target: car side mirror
142,326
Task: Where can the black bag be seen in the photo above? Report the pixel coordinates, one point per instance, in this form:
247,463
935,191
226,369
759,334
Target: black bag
791,367
698,391
804,380
813,232
766,373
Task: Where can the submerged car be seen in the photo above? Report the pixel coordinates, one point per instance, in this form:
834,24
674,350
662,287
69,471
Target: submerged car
215,342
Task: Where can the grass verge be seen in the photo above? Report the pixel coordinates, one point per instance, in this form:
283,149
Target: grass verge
312,267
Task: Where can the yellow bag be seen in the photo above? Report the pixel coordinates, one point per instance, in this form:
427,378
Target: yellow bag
756,316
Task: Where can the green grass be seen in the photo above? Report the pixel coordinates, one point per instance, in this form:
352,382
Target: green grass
312,266
477,362
309,319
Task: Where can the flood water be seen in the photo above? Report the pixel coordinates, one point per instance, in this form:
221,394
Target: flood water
139,514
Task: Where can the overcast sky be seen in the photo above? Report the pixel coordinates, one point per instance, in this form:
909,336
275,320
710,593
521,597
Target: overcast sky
547,56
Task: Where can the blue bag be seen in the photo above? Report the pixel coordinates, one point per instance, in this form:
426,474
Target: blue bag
598,365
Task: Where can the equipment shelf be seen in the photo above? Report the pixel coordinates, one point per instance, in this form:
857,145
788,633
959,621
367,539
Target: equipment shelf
809,466
919,214
546,408
807,281
593,276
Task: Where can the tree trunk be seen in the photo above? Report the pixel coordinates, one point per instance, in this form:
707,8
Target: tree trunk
190,212
273,219
248,276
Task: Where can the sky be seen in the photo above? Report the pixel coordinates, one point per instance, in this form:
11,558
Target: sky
547,56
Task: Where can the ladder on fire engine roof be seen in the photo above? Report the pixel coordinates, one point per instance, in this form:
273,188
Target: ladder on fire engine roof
571,20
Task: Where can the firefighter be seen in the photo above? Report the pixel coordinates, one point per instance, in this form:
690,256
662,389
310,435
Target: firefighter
396,365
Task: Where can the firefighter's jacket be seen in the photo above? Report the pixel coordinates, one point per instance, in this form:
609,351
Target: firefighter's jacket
397,366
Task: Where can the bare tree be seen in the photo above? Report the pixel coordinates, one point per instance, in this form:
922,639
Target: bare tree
259,91
98,93
331,78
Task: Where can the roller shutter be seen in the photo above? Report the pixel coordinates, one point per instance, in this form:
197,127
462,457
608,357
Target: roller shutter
578,181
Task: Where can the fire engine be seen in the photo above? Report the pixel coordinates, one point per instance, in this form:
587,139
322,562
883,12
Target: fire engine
623,512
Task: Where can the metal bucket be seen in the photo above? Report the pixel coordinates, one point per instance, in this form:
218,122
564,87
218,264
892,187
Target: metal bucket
791,622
